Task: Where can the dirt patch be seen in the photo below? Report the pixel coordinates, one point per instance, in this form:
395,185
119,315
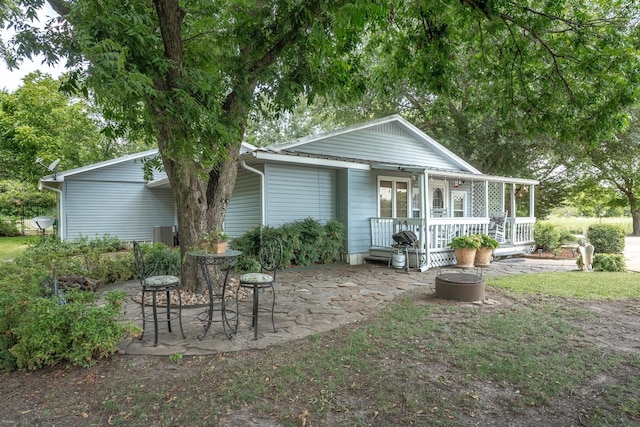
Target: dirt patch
94,396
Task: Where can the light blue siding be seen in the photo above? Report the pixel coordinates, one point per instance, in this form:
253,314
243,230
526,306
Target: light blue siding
298,192
127,210
129,171
362,206
243,212
342,201
382,143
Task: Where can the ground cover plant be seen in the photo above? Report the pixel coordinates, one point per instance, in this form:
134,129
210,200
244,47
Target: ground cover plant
42,322
533,358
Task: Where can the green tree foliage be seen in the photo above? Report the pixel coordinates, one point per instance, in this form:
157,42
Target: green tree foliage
614,164
18,198
515,89
39,121
190,73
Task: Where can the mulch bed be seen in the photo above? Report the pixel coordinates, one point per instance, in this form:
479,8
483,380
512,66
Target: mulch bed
191,298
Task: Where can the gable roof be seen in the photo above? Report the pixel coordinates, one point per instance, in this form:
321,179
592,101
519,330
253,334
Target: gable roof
60,176
296,144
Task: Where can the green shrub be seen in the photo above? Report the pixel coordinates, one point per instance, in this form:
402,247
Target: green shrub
101,259
80,332
606,238
247,264
547,236
36,329
331,242
303,242
309,232
160,260
609,262
8,228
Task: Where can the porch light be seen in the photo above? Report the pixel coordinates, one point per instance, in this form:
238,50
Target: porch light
457,183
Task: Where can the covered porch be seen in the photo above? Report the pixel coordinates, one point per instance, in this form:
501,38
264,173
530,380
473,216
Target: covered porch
443,205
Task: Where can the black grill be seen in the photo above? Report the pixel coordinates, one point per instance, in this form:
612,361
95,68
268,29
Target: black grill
405,238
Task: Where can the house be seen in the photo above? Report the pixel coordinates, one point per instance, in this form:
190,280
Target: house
377,178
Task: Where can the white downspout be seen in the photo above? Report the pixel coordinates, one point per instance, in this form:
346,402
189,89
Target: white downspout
61,213
263,210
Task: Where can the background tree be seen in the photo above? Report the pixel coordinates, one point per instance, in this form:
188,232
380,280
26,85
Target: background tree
613,164
513,89
40,121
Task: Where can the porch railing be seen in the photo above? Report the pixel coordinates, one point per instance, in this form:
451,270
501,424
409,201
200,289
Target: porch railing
383,228
442,230
518,231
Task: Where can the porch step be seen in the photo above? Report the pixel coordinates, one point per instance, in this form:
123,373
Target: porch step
377,258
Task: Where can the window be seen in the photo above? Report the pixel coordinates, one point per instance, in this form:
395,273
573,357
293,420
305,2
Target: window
438,200
459,202
393,198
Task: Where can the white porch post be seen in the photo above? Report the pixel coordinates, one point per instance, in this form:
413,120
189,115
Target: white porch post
486,198
427,215
423,209
512,214
532,212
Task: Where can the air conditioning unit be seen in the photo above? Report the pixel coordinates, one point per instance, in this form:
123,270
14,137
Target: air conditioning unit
163,234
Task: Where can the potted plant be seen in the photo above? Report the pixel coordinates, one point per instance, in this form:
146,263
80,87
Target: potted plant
214,241
465,248
485,251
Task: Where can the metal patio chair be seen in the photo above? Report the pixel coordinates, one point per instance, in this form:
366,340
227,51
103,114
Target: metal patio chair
270,256
155,285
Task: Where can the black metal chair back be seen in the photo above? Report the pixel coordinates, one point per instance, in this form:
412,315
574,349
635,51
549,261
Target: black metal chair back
139,258
270,255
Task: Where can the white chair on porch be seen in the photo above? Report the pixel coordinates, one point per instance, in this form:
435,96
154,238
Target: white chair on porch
497,227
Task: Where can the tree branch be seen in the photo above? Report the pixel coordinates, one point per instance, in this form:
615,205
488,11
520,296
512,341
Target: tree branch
554,56
61,7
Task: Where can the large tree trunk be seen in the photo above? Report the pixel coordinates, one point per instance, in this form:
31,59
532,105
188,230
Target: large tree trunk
201,204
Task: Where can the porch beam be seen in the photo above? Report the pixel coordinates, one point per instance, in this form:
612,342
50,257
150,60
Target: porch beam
489,178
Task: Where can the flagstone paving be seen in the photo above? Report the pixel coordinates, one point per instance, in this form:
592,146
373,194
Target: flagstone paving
308,301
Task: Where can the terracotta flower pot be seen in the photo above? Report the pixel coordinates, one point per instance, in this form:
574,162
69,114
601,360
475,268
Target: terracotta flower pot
483,257
219,247
465,257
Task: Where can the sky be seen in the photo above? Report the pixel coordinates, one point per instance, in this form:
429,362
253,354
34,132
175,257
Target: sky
11,80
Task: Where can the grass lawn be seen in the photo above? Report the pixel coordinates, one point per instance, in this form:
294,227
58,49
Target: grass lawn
10,247
577,284
580,225
542,356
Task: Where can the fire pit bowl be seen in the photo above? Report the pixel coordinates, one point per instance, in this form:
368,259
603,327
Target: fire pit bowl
460,287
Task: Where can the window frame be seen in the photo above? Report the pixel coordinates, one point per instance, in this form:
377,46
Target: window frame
394,180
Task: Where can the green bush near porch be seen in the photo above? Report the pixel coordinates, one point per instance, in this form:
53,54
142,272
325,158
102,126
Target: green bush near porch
304,243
